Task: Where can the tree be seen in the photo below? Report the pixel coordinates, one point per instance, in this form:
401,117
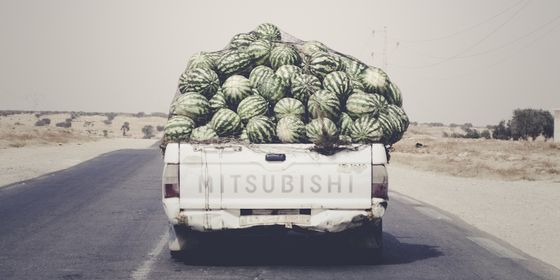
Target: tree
148,131
125,128
501,131
548,124
485,134
526,123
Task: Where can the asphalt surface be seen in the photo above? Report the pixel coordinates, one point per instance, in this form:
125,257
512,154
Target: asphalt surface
103,219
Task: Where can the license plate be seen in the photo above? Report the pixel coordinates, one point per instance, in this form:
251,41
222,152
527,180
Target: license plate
274,219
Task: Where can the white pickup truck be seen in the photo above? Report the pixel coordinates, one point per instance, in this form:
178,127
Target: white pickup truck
228,187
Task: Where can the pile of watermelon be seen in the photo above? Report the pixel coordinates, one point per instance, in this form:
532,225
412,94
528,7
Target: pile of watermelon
267,87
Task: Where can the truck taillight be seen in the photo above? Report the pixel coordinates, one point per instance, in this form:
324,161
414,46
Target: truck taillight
171,181
379,182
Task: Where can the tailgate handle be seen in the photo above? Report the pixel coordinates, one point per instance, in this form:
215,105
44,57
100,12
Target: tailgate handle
275,157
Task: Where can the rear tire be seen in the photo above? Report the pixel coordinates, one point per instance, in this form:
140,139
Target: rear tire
370,241
181,240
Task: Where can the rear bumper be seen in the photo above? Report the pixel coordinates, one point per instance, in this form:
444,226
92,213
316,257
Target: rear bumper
321,220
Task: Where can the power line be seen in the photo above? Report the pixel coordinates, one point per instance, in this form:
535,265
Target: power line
470,47
460,31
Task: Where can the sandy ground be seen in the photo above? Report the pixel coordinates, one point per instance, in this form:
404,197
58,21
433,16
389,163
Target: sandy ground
522,213
478,158
18,164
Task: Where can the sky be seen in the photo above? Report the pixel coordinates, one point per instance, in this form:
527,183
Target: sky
455,61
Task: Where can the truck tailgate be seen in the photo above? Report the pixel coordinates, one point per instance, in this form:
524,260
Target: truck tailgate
242,177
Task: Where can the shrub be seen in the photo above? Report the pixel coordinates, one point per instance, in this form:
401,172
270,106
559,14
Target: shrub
148,131
485,134
125,128
140,114
159,128
43,122
107,122
105,133
502,131
111,116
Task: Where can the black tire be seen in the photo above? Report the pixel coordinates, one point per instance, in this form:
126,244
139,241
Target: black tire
370,242
190,241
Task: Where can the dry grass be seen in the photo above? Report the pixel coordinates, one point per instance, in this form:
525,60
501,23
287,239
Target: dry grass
19,130
509,160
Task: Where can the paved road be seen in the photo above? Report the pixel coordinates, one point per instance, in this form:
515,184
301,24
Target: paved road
103,220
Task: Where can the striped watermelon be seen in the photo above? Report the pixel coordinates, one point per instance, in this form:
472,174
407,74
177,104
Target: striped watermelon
394,95
345,123
289,107
304,86
192,105
352,67
272,89
259,74
291,129
324,104
178,128
386,123
243,136
360,103
260,130
199,80
321,63
309,47
375,80
226,122
357,85
366,129
322,131
339,83
217,101
252,106
344,139
201,60
235,89
203,133
260,51
234,62
284,54
242,40
287,73
268,31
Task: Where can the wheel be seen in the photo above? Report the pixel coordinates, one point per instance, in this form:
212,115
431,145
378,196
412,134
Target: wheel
370,242
181,240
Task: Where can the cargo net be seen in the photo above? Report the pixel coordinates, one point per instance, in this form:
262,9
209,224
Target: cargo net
267,86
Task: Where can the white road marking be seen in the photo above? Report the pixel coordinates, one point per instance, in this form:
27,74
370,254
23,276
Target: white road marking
496,248
433,213
403,198
142,271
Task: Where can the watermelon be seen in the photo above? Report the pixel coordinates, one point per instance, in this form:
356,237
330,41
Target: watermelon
386,123
394,95
321,63
242,40
284,54
375,80
289,107
201,60
226,123
217,101
345,122
344,139
235,89
252,106
260,129
260,51
304,86
259,74
339,83
203,133
272,89
200,80
352,67
309,47
322,131
287,73
360,103
324,104
366,129
268,31
234,62
178,128
192,105
291,129
357,85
